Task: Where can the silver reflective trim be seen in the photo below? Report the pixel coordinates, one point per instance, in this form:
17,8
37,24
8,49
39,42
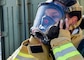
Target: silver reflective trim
24,58
64,52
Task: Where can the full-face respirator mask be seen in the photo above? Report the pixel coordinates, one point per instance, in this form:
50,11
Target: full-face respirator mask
48,14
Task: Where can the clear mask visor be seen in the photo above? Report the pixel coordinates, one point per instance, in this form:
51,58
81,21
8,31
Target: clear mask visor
48,15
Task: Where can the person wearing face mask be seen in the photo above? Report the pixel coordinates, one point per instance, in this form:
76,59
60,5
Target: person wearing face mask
74,21
35,47
71,31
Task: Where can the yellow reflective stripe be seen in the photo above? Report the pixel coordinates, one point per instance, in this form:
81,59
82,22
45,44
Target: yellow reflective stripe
69,55
25,55
62,47
16,59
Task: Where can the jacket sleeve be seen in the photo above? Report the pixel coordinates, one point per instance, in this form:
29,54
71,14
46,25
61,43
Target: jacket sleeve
63,48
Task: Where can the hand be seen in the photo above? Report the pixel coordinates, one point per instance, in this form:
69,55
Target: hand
66,24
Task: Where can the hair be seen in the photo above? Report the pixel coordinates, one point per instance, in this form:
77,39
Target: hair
75,13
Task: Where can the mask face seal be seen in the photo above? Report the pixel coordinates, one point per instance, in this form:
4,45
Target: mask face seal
48,14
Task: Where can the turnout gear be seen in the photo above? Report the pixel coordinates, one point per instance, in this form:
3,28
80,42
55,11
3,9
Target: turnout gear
34,49
63,49
31,49
66,51
76,32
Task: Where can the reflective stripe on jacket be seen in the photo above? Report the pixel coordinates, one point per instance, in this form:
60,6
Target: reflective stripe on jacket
23,56
65,51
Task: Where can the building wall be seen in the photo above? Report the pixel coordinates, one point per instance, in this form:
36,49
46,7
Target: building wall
18,16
